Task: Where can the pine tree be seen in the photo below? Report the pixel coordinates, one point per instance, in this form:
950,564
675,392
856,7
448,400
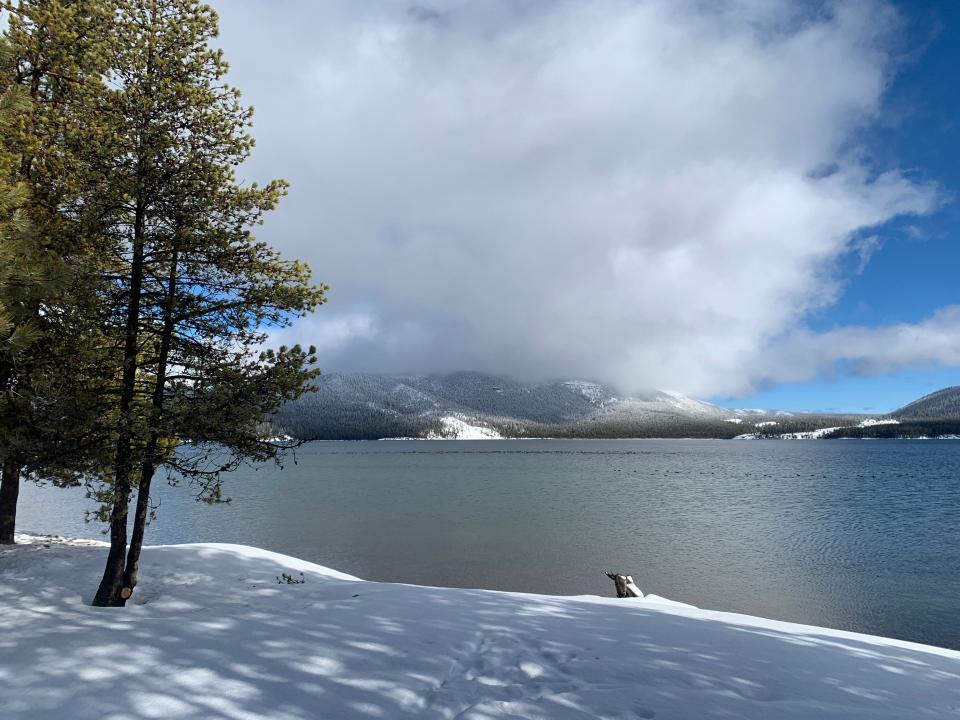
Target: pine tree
16,335
197,293
50,71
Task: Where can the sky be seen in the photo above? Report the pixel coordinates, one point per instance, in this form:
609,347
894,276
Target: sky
749,201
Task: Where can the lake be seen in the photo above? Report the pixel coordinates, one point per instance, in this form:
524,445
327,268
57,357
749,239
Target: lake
858,535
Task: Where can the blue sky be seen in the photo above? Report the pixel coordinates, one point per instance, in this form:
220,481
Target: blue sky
916,268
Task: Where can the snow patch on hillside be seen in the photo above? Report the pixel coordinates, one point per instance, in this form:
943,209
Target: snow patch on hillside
594,392
810,434
455,428
211,634
868,422
823,432
662,403
688,405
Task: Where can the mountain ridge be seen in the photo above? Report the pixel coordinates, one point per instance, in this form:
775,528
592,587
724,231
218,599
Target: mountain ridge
941,404
469,404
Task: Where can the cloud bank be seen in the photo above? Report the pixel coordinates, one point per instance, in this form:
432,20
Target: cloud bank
653,194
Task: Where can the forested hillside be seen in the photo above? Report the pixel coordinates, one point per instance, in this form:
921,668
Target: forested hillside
368,406
942,404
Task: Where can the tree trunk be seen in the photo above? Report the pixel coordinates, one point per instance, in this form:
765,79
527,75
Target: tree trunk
9,491
111,592
132,573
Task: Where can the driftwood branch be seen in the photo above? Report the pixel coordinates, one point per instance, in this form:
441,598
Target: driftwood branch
625,586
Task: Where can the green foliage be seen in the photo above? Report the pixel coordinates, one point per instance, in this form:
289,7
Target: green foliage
135,302
19,280
190,295
48,65
196,292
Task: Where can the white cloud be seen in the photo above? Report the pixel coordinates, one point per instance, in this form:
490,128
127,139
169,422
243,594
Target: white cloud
652,193
866,248
874,351
332,333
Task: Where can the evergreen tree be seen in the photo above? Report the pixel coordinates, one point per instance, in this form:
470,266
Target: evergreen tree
50,70
194,292
16,334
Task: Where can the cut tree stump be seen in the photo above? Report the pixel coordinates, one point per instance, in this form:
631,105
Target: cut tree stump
625,586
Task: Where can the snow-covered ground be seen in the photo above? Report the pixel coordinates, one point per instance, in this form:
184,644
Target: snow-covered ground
212,634
455,428
688,405
811,434
817,434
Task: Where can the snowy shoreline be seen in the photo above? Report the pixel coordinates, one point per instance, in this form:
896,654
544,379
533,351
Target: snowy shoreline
214,631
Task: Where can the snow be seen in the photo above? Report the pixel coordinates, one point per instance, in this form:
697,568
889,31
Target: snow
455,428
810,434
736,421
211,634
687,404
661,402
817,434
594,392
768,423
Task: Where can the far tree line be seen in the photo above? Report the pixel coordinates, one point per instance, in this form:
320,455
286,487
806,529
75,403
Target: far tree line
135,302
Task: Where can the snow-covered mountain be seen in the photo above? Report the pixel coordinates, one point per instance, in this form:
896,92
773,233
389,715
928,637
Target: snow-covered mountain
473,404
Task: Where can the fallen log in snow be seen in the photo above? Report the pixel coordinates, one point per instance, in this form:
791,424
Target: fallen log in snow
625,585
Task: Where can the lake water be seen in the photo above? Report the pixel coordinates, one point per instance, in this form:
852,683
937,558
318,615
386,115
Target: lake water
858,535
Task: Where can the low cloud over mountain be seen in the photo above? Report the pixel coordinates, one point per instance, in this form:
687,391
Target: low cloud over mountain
659,192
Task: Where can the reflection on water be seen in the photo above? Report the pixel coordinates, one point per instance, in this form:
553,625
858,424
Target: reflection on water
851,534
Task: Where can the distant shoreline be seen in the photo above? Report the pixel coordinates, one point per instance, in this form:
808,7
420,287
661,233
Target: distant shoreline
609,439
